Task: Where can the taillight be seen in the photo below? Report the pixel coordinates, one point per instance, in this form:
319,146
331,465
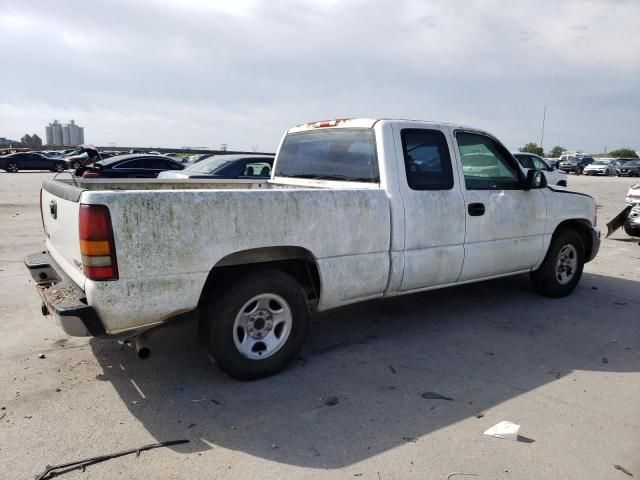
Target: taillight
90,173
96,243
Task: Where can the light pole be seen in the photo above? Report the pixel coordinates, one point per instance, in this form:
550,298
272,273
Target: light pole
544,116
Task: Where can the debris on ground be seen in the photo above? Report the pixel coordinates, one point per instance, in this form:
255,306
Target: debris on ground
331,401
213,400
4,414
410,439
42,355
133,402
505,429
51,471
478,414
605,360
273,445
623,470
435,396
451,475
619,303
393,370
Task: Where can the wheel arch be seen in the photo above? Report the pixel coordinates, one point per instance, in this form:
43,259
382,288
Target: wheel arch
298,262
583,227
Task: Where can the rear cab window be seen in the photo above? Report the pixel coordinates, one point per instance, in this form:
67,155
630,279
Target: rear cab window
347,154
427,160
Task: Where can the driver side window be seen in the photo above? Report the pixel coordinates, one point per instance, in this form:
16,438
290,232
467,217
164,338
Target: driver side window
485,163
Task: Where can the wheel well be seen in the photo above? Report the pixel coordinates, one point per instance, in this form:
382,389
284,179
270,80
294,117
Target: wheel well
583,227
562,183
296,261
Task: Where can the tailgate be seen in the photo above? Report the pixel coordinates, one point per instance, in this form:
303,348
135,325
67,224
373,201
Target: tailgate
60,205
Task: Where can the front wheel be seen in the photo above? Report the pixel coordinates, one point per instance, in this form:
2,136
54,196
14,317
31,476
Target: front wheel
256,325
59,167
562,267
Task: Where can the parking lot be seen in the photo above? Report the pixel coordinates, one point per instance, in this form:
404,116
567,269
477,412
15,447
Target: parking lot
352,406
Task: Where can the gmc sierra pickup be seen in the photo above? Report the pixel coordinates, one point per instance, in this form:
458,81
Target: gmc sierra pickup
356,209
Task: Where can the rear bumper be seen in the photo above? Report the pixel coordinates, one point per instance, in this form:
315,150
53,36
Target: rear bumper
62,298
595,244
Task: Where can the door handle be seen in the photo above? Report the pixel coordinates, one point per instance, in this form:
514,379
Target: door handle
476,209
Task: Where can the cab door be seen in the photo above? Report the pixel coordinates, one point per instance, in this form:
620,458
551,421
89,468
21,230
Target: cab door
504,220
433,207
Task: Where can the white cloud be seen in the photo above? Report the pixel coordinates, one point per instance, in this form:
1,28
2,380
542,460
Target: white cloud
176,73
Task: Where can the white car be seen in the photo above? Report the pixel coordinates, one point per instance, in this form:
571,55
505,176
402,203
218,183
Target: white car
600,167
530,161
355,209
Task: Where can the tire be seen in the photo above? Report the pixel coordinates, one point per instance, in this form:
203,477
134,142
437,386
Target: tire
566,251
562,183
13,167
235,325
59,167
606,173
75,165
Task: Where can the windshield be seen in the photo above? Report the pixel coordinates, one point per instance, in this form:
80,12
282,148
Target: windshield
632,164
209,165
600,162
332,154
569,159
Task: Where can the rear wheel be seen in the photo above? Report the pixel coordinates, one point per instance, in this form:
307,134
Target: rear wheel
59,167
562,267
13,167
256,325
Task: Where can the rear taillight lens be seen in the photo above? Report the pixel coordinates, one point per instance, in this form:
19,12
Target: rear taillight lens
90,173
96,243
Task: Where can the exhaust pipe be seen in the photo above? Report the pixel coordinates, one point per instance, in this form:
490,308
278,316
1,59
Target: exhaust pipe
142,347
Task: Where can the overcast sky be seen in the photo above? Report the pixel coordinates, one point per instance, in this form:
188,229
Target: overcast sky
202,72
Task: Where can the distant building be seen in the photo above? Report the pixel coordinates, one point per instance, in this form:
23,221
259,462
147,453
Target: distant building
32,141
69,134
7,141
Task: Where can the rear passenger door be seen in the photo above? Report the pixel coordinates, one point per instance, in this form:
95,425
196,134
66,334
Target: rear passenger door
504,221
433,207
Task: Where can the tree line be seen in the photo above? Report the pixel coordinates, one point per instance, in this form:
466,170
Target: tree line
556,151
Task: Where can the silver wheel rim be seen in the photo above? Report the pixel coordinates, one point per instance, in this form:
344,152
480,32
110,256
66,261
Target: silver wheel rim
566,264
262,326
12,167
59,168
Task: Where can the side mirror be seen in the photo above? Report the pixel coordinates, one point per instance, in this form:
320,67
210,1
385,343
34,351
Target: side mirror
536,179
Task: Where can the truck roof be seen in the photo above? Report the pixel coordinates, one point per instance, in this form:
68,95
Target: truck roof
366,123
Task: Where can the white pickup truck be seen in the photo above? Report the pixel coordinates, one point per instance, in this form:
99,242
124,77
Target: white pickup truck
356,209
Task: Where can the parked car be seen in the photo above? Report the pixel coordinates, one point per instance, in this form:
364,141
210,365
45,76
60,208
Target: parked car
226,166
356,209
32,161
574,164
199,157
176,157
552,162
131,166
629,169
530,161
600,167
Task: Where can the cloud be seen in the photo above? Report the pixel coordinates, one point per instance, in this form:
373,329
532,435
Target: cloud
174,73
